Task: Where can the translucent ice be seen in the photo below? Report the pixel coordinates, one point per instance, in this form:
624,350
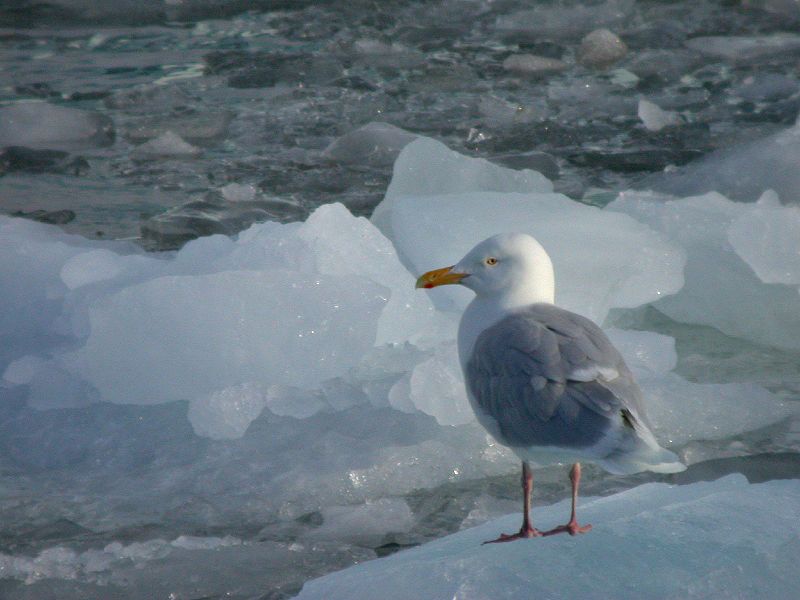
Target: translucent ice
623,262
184,336
167,145
44,125
680,410
721,288
532,65
426,167
742,172
367,524
436,387
561,20
745,48
654,117
90,267
680,536
767,236
195,128
227,413
373,144
282,305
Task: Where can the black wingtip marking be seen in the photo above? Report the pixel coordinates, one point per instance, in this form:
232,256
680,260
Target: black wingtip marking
627,418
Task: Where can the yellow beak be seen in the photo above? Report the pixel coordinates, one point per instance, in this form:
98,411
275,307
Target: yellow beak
438,277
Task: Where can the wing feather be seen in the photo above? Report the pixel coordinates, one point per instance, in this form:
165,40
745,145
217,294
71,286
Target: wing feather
546,376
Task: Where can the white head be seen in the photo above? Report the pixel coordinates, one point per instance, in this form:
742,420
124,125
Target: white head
511,268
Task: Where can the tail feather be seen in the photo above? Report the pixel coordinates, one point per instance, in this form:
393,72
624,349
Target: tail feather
644,458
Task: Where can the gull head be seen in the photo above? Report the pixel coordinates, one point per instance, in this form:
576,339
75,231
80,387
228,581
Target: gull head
510,266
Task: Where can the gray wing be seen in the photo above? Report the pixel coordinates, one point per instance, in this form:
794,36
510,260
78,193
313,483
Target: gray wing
547,376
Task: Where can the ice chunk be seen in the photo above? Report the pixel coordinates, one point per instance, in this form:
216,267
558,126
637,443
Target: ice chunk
195,128
31,289
329,234
426,167
214,213
745,48
226,328
767,236
366,525
721,289
226,414
238,192
532,65
601,48
436,387
42,125
168,144
655,118
622,262
283,305
23,370
289,401
762,87
645,352
741,172
682,411
652,528
90,267
560,20
375,144
500,114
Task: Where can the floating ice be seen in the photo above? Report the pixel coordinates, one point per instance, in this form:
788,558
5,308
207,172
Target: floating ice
64,563
183,336
623,262
375,144
196,128
292,305
167,145
653,529
47,126
532,65
745,48
655,118
238,192
367,524
90,267
226,414
436,387
767,236
500,114
721,289
682,411
560,20
741,172
765,87
426,167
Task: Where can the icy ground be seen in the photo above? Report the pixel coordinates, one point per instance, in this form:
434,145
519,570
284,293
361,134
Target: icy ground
239,413
654,541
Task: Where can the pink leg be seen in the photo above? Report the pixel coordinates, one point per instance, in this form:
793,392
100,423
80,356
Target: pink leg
527,530
572,527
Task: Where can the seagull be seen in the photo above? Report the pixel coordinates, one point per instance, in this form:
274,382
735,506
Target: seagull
544,381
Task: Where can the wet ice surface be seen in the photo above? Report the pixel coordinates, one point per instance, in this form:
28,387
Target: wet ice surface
280,404
655,541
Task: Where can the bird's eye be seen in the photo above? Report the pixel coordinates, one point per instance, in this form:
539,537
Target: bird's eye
491,261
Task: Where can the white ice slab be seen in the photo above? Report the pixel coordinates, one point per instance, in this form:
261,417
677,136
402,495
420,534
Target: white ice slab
653,541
